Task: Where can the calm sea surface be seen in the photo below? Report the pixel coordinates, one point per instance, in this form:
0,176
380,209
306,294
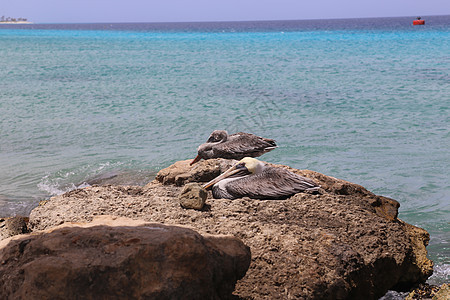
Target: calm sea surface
366,100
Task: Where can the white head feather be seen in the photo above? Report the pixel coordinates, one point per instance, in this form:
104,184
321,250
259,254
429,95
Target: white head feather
253,165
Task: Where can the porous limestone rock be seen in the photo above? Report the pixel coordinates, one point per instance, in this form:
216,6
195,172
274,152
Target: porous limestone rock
443,293
344,243
426,291
182,172
193,196
13,226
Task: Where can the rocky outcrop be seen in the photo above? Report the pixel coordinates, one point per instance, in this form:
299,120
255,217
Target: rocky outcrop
344,243
114,258
181,173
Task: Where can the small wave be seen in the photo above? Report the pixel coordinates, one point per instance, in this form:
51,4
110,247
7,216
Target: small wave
102,174
55,186
441,275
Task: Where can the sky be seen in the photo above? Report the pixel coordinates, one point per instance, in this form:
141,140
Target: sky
99,11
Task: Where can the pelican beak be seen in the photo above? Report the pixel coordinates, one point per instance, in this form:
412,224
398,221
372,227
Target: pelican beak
196,159
231,171
238,168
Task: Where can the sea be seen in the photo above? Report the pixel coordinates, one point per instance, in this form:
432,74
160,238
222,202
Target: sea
365,100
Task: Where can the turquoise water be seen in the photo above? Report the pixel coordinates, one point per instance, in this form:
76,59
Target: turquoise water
364,101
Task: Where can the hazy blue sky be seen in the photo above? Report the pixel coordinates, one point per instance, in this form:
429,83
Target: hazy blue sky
72,11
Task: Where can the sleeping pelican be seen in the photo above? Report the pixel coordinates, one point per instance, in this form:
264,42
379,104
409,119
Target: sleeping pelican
234,146
252,178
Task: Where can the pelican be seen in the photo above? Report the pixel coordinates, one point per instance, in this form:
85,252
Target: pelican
254,179
235,146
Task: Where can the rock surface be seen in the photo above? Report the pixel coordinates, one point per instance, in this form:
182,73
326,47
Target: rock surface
193,196
13,226
443,293
120,259
345,243
434,292
181,172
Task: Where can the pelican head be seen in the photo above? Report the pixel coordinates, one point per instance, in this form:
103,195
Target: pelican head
253,165
218,136
246,166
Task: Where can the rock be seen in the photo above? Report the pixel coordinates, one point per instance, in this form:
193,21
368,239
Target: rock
119,258
426,291
423,267
394,295
343,243
181,172
13,226
193,196
443,293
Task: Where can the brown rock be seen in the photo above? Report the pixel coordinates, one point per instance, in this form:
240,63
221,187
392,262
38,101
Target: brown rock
423,267
344,243
443,293
13,226
382,206
193,196
426,291
120,259
181,172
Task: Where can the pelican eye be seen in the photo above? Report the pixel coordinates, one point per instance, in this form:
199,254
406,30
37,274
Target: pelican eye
213,139
240,165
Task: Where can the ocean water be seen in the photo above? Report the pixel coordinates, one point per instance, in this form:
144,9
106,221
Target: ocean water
365,100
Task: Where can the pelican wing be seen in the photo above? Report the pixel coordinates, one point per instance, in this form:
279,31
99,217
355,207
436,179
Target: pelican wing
272,183
243,144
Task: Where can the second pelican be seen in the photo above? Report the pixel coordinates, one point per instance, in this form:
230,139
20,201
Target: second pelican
252,178
220,144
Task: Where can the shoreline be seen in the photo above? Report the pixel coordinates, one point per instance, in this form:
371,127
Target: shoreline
20,22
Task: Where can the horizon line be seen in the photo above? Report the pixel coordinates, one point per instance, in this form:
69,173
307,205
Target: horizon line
233,21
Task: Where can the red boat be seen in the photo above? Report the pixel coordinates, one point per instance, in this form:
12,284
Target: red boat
418,21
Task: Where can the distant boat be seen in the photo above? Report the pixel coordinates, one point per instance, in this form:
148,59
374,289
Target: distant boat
419,21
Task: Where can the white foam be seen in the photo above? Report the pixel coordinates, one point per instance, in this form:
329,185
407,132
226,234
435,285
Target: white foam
66,180
441,274
56,186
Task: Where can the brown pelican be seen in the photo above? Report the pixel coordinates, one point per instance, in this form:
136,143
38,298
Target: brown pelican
235,146
252,178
